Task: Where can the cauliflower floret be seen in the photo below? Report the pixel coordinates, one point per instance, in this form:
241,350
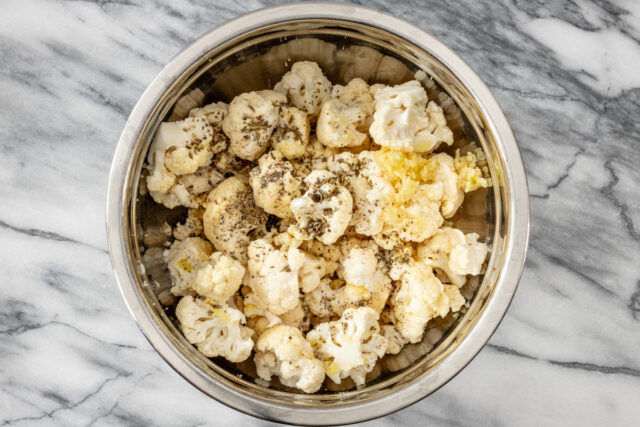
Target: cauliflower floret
315,157
365,283
444,174
273,276
291,136
356,93
230,164
324,210
454,253
190,190
179,148
219,278
306,87
331,254
231,217
283,351
341,126
184,259
469,174
368,187
349,347
193,267
274,185
420,298
215,114
395,340
312,271
252,118
192,226
215,331
403,120
415,221
320,300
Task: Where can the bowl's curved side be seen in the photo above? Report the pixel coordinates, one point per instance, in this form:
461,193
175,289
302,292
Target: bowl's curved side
516,200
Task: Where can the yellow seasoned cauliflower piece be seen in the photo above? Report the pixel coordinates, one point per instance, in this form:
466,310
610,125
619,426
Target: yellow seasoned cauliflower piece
403,121
184,258
252,118
178,148
324,210
470,176
349,347
231,217
356,93
395,340
273,276
215,114
215,331
306,87
369,189
274,185
291,135
219,278
454,253
282,351
340,125
414,221
420,298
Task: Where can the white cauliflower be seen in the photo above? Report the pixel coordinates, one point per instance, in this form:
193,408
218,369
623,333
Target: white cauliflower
324,210
190,190
274,185
184,259
306,87
395,340
291,136
349,347
179,148
282,351
215,114
219,278
403,120
215,331
273,276
444,175
454,253
365,283
340,125
356,93
320,300
231,217
364,179
193,267
420,298
252,118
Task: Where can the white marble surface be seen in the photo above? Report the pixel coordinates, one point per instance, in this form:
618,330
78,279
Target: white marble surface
568,77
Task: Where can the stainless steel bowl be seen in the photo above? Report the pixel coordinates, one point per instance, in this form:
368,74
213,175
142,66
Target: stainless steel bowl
251,53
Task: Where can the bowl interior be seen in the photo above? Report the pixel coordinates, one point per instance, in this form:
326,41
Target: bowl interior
344,50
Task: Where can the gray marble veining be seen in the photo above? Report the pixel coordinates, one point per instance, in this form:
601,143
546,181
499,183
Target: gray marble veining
567,74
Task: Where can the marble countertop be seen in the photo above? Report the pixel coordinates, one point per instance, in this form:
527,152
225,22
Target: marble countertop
567,75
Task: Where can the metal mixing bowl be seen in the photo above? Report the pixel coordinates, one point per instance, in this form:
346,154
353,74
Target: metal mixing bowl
251,53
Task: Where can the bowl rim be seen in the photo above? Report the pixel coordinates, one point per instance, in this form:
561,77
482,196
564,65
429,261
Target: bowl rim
517,226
